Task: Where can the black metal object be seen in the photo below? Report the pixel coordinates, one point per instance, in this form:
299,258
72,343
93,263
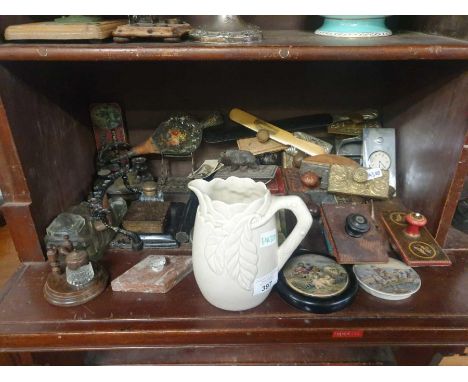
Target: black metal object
230,131
187,220
356,225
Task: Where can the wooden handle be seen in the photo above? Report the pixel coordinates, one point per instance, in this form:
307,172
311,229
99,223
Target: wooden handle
276,133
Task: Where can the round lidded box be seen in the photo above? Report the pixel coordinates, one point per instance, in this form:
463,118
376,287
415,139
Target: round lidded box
391,281
316,283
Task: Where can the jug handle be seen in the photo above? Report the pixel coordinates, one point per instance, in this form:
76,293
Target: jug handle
304,222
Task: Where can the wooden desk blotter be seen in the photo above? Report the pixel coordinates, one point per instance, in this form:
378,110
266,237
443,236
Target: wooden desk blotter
52,30
143,278
168,32
417,249
371,247
146,217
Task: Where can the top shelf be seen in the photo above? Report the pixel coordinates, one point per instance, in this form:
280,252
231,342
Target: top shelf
278,45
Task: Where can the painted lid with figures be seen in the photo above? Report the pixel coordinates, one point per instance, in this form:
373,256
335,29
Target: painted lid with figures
315,276
391,281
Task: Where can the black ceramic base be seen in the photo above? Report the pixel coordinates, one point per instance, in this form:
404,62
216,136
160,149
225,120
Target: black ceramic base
316,304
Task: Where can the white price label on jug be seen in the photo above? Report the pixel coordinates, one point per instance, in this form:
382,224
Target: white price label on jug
374,173
265,283
268,238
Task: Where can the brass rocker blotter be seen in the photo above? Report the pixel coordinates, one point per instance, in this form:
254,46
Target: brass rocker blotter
74,279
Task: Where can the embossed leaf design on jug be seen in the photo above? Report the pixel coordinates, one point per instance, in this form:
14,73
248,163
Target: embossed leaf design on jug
235,251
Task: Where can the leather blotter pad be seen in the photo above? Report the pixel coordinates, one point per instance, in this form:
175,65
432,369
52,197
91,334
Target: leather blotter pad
143,279
416,252
369,248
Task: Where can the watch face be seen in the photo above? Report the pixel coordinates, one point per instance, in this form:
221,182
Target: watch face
380,159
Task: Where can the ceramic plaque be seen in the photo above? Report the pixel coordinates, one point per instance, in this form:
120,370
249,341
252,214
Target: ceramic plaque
315,276
391,281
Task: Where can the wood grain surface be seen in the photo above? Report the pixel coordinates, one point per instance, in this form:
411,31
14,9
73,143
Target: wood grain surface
278,45
183,317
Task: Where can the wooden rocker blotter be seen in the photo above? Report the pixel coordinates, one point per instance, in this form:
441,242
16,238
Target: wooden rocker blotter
171,30
351,235
411,239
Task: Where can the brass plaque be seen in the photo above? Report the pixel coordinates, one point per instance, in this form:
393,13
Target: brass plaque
351,128
354,181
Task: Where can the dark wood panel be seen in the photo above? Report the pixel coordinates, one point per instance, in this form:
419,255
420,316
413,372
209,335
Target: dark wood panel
427,107
47,109
456,241
284,45
12,179
448,25
453,196
274,354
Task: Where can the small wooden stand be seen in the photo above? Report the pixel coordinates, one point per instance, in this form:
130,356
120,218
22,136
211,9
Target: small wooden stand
58,292
168,32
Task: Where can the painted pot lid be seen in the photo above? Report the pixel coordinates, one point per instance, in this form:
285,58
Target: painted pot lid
315,276
391,281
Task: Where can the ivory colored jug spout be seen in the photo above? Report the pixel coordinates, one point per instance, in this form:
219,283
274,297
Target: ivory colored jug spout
235,250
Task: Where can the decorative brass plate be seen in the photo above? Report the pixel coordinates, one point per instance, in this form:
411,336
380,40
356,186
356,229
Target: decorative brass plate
352,181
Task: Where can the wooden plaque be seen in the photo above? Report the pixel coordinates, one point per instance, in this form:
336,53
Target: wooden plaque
371,247
156,31
51,30
255,147
416,252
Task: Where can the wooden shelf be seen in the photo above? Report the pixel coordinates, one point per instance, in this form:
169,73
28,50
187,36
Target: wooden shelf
183,317
278,45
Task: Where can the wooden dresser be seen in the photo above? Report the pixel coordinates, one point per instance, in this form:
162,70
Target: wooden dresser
416,78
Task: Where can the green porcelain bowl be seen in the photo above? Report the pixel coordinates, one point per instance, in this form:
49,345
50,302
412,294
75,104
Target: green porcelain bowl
354,26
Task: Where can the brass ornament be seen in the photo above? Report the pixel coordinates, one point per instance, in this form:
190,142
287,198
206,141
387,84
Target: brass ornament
422,250
349,127
360,175
353,181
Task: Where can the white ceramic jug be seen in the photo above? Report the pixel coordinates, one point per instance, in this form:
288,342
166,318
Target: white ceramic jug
235,250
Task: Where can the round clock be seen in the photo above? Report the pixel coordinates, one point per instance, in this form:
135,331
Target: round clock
380,159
